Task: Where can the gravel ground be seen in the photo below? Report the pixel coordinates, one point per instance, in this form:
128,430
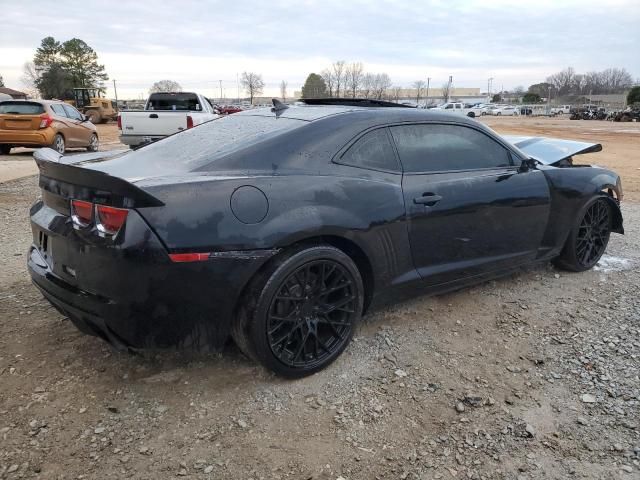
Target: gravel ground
533,376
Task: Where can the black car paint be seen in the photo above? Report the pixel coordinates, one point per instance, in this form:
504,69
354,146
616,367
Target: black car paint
128,291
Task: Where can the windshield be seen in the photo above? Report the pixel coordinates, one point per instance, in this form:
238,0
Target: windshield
21,108
197,148
173,101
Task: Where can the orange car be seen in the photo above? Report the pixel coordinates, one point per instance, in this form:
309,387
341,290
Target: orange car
44,123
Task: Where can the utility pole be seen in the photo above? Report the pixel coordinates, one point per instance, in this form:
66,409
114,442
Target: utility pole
220,90
115,91
238,86
449,87
489,85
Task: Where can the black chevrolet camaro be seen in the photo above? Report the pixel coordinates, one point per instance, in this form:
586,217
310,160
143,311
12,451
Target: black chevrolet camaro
278,228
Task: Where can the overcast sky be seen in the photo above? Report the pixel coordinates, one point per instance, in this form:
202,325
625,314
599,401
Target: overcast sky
198,43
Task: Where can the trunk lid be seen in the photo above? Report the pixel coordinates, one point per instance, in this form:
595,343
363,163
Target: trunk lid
62,181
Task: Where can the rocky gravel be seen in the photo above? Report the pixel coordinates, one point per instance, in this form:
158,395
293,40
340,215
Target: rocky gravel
533,376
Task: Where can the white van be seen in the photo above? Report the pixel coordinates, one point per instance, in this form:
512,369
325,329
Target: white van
561,109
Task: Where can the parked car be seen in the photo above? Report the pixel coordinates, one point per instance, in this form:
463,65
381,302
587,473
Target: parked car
460,108
164,114
561,110
228,109
44,123
280,227
491,109
508,110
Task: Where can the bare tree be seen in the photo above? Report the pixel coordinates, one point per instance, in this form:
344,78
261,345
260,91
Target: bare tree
419,86
367,85
563,82
396,91
30,78
338,75
328,78
252,83
283,90
353,78
381,84
165,86
446,90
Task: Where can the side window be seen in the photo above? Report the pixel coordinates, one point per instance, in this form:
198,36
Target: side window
436,148
373,151
72,112
58,110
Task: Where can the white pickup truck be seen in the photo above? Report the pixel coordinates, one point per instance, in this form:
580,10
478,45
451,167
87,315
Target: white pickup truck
164,114
461,109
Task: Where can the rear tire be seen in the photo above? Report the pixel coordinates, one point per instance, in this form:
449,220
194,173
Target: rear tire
5,149
588,238
58,144
299,315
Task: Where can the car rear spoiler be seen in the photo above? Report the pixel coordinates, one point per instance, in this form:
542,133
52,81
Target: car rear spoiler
551,150
74,181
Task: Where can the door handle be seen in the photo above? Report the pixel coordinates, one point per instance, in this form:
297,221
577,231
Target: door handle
427,199
153,115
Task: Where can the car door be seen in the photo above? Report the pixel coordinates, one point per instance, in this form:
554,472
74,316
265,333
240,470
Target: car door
64,124
469,209
80,131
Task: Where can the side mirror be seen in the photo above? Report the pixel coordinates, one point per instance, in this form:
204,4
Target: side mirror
84,118
527,164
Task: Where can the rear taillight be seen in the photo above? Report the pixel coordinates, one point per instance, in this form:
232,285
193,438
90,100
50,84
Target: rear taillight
189,121
119,122
45,120
109,220
81,213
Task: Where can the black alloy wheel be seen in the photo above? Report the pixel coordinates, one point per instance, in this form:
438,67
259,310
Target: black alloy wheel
311,315
588,239
301,312
593,234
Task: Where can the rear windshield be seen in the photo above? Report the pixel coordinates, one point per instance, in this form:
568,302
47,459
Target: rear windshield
196,148
21,108
173,101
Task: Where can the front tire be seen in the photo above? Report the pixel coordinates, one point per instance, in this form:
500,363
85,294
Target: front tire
301,313
588,238
5,149
94,143
471,115
94,116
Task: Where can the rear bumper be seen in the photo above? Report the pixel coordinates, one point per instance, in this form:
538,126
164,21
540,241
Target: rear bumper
135,140
27,138
129,292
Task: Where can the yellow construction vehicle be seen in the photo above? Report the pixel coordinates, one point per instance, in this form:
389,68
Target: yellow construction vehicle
91,103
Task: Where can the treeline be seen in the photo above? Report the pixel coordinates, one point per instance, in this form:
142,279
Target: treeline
610,80
348,80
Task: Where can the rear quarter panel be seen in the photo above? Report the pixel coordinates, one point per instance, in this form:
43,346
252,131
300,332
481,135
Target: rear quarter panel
366,209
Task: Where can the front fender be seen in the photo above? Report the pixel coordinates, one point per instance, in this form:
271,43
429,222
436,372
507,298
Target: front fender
571,188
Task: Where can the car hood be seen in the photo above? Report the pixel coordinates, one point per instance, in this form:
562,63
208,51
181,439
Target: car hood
550,151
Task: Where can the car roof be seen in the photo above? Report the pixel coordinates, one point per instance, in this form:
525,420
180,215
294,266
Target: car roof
33,100
377,115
